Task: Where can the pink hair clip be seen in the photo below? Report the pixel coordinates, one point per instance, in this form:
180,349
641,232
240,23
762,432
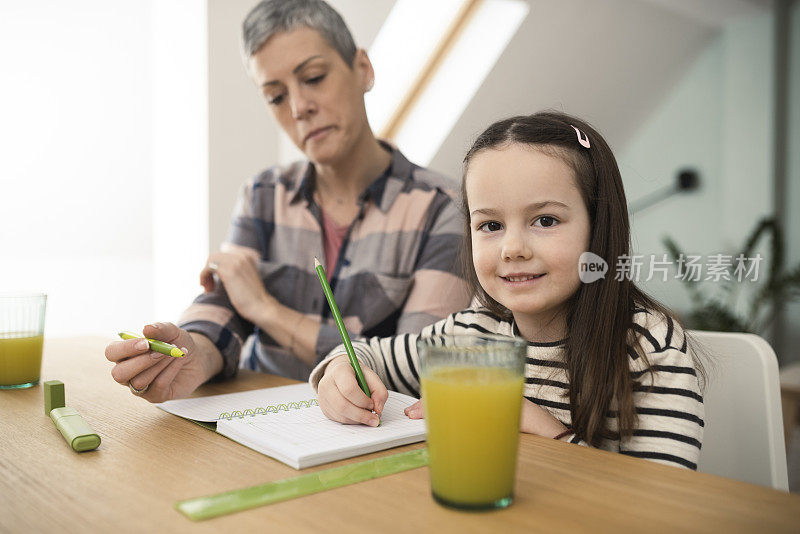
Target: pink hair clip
582,139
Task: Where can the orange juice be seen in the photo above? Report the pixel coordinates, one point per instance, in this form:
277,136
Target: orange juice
20,360
472,415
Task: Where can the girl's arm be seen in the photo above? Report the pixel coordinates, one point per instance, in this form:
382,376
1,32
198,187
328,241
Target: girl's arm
385,362
537,420
394,359
669,402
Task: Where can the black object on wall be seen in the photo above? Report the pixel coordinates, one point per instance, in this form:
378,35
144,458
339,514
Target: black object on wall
686,180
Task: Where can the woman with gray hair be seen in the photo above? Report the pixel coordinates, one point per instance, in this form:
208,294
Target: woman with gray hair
387,230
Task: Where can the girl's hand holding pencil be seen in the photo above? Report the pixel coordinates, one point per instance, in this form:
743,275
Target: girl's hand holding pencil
350,395
342,399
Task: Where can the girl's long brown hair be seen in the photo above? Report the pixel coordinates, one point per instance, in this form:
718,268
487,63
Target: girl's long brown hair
600,315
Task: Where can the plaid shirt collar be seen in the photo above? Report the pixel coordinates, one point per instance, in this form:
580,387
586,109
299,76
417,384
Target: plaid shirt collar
382,191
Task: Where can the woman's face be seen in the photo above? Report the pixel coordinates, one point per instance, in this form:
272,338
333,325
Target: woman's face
314,95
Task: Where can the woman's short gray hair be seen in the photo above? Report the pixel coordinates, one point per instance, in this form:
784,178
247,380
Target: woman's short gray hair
273,16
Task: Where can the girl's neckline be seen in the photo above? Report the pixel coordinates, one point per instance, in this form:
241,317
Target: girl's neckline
515,331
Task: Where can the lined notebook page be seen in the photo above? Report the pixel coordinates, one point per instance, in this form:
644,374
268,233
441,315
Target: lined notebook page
208,409
305,437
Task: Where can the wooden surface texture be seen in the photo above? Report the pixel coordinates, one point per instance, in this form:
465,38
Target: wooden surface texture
150,459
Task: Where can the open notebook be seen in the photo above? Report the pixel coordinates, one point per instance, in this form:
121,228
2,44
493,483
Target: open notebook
287,424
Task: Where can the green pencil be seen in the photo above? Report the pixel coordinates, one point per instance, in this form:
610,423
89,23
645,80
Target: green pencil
156,345
337,316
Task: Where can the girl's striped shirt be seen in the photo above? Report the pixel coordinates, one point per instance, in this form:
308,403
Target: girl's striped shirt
668,400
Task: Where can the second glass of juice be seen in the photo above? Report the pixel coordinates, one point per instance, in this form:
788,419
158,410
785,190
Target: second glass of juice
21,339
472,393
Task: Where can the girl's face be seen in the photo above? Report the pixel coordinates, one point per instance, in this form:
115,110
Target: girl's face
529,225
317,99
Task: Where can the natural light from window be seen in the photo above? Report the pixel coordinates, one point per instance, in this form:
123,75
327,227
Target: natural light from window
401,48
404,45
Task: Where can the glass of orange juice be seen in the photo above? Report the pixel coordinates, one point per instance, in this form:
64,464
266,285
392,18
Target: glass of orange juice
472,392
21,339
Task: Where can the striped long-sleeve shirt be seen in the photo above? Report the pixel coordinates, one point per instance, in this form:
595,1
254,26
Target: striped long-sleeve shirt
668,400
395,272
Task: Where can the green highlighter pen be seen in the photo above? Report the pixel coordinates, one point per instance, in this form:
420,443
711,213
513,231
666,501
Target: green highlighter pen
75,430
68,421
156,345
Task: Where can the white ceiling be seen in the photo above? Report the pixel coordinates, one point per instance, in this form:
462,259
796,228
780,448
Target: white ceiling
714,12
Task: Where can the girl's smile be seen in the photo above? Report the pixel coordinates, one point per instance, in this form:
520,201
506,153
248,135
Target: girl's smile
521,279
529,225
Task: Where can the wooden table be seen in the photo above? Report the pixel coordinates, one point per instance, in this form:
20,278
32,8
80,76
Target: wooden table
150,459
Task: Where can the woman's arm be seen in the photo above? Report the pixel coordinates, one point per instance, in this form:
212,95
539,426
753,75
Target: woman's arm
236,268
213,314
293,330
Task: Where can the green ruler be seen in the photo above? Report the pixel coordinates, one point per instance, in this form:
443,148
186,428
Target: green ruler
289,488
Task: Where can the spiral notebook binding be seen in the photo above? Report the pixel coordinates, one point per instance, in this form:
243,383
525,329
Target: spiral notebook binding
275,408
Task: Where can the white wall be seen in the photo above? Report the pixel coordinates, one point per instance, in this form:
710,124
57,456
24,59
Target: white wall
717,120
242,138
180,153
677,135
610,62
76,165
792,330
747,136
103,167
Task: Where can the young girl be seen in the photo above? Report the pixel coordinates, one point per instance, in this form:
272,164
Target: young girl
606,366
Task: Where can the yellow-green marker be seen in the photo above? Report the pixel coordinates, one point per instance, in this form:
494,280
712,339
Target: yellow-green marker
156,345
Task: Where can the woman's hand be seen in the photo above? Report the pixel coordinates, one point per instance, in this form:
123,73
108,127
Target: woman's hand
159,377
341,398
537,420
237,271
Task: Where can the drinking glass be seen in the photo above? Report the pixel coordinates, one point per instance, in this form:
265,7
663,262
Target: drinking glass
21,339
472,393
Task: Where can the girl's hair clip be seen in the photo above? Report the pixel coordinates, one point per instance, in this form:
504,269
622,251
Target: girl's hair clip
582,139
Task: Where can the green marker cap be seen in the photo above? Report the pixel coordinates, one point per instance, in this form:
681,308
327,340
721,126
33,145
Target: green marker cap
53,395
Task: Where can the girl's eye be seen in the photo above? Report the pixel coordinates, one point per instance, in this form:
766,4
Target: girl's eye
315,80
274,101
545,221
490,226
